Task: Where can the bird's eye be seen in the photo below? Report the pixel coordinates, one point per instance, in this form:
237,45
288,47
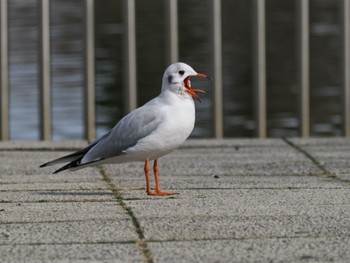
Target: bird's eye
181,72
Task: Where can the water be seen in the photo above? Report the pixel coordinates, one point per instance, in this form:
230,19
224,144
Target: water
66,50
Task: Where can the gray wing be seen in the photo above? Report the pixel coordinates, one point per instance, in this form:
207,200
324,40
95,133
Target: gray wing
127,132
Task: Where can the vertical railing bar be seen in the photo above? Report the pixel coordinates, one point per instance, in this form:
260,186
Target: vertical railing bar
171,31
4,89
260,67
304,64
130,86
216,46
44,71
89,71
345,14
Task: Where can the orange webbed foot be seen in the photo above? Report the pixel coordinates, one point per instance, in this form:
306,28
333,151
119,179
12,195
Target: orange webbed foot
160,193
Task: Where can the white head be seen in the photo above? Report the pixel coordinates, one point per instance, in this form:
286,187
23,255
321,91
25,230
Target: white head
176,79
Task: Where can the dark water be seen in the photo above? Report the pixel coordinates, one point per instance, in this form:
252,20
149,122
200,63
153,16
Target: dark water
66,50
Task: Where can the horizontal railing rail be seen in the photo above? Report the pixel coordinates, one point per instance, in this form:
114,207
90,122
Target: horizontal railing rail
172,49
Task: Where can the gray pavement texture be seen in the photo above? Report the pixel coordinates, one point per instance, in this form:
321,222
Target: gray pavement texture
240,200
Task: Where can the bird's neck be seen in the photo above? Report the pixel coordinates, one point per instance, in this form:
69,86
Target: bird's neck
175,95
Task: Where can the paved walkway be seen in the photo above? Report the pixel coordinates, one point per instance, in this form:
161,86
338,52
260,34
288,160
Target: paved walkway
240,201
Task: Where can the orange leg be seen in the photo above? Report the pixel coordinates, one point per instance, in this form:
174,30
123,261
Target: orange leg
148,185
158,191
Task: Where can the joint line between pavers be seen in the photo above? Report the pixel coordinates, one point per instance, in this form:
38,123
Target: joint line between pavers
315,161
308,155
263,238
68,243
142,243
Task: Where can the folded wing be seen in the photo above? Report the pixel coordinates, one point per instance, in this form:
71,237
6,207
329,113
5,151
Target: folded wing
136,125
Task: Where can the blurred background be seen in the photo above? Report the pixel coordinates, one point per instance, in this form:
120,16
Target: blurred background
67,36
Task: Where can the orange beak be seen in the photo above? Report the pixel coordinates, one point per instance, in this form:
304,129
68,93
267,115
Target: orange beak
193,92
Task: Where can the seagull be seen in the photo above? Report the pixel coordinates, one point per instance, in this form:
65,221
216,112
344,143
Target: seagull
148,132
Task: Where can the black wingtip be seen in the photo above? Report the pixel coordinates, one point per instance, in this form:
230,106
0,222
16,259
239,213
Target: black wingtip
70,165
43,165
67,166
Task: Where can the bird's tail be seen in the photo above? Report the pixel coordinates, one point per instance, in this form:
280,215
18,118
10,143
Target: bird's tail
68,158
69,166
76,165
73,158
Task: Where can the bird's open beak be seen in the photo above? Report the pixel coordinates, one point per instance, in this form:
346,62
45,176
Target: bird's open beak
193,92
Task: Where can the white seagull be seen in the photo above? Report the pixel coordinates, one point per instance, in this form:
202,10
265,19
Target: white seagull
148,132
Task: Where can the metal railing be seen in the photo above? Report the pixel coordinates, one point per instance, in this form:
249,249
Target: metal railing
170,7
345,7
4,89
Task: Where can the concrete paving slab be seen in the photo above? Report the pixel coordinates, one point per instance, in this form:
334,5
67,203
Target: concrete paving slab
98,185
226,227
92,231
231,202
42,145
322,249
332,141
229,143
68,177
281,161
108,252
57,196
198,182
55,212
262,213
